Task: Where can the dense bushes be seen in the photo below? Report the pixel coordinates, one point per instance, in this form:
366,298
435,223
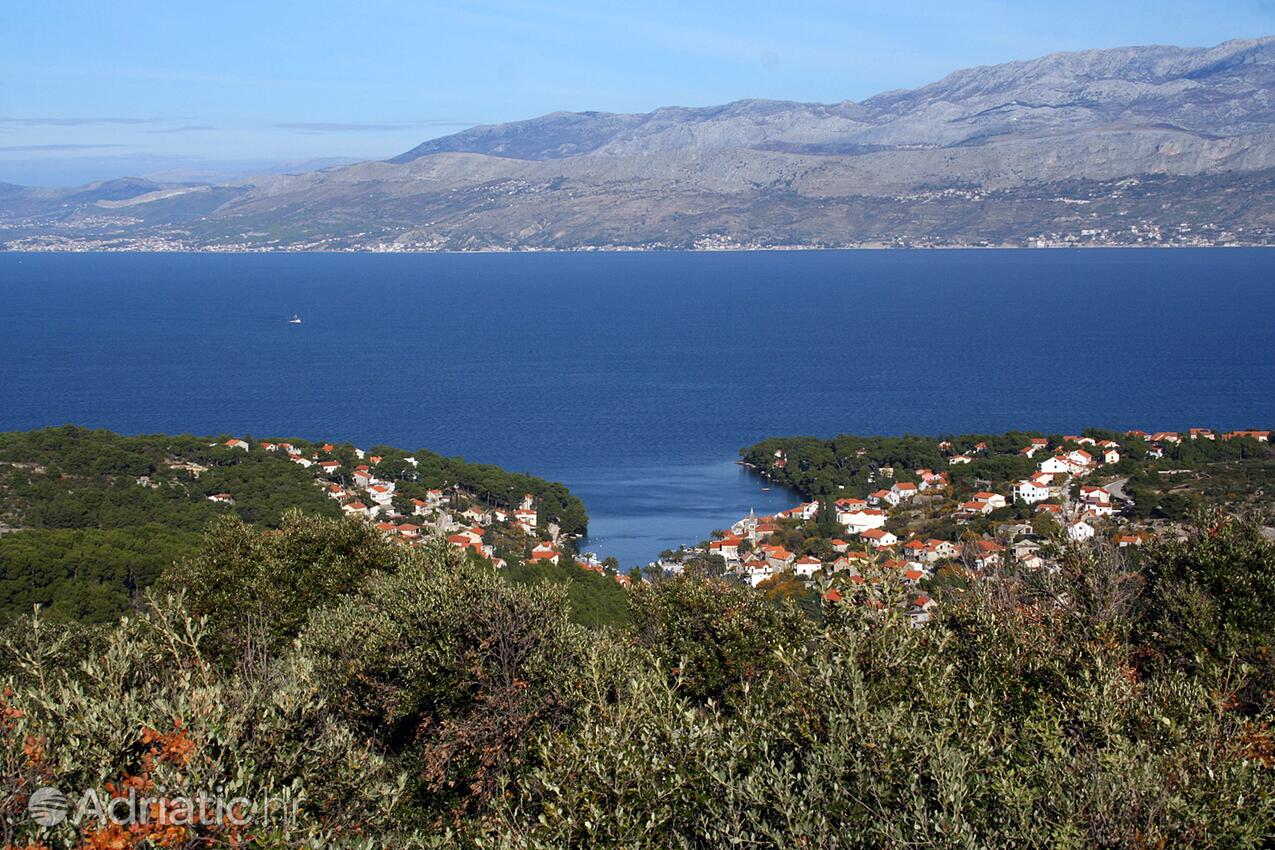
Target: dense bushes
596,600
1209,610
1006,723
147,710
426,700
452,668
714,637
257,588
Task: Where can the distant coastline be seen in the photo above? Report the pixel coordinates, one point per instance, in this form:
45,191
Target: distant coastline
620,249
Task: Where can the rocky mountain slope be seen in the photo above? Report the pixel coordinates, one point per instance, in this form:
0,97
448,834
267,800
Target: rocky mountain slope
1145,145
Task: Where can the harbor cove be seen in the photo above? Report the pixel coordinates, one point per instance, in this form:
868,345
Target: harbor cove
636,378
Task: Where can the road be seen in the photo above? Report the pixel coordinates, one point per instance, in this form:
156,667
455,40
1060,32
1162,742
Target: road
1116,489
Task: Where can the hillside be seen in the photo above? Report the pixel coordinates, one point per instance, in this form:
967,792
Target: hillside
89,519
1133,146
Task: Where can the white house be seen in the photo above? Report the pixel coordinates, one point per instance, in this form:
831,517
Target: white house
727,547
940,550
862,520
805,511
904,491
358,509
758,571
1095,495
1030,492
919,611
846,507
879,538
1079,531
807,566
985,553
1079,459
1055,465
236,444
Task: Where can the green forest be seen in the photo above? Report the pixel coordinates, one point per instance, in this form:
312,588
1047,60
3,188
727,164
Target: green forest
413,697
89,519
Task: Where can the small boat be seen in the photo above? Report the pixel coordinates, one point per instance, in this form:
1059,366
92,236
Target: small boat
765,489
295,320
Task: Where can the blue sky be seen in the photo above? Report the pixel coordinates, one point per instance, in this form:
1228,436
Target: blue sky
92,89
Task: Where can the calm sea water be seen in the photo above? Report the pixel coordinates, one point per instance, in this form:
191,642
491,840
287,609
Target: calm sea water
635,378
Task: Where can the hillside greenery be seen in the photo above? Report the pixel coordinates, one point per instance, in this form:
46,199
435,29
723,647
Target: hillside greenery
422,700
89,519
1191,475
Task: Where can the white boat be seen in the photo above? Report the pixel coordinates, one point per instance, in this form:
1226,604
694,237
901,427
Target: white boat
295,320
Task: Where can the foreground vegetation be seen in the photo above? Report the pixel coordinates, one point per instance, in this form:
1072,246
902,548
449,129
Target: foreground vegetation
414,697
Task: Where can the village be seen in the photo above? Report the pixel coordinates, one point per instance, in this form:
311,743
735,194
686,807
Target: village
371,489
1074,495
920,529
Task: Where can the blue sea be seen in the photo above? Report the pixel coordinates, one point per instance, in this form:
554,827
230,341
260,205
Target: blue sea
636,378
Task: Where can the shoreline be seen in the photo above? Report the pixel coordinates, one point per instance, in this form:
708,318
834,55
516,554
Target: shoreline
626,250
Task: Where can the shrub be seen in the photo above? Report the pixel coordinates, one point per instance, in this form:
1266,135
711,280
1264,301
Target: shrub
453,668
148,711
1017,719
257,587
713,636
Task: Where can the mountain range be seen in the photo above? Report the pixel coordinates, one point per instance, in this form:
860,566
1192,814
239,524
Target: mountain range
1139,145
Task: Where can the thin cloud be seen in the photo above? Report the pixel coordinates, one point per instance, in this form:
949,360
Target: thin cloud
359,127
74,122
189,128
15,148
